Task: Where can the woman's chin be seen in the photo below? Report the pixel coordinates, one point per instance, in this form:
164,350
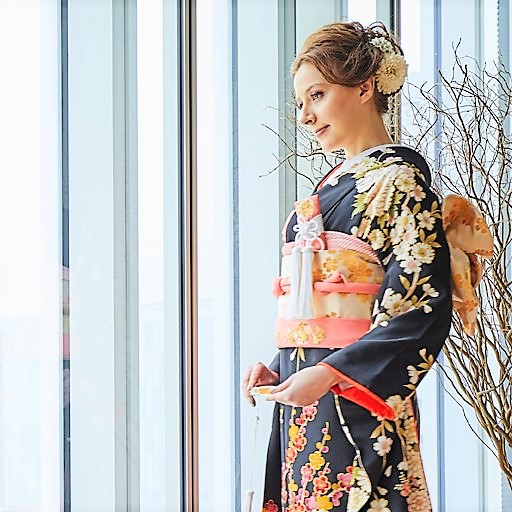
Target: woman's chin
329,148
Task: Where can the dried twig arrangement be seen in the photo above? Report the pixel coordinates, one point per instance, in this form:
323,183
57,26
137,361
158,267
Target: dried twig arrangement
466,136
301,147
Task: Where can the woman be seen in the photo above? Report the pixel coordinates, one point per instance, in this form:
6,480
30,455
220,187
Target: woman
364,296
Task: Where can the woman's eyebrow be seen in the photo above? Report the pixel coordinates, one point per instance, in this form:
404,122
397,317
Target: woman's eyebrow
311,87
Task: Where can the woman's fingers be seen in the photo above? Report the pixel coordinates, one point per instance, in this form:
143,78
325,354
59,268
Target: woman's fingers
280,392
304,387
245,386
257,374
251,378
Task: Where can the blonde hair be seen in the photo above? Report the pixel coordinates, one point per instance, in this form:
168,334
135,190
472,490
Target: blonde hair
343,54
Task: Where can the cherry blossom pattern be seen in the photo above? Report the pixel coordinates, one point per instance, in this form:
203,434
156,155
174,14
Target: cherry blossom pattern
397,222
379,505
316,488
410,474
415,372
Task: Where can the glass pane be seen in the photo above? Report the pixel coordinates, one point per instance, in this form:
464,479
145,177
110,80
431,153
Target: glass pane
158,256
238,238
217,481
259,239
364,11
310,17
91,259
449,447
30,259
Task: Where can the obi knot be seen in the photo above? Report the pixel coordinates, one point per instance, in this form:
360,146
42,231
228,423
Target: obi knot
309,230
468,238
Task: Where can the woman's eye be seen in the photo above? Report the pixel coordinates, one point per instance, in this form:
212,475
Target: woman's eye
315,95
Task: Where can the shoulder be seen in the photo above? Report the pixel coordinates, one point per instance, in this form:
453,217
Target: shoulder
392,178
406,156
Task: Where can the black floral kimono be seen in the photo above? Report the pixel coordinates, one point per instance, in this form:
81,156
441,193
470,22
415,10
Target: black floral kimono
365,290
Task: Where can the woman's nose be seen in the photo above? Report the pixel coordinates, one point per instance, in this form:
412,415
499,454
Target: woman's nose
305,117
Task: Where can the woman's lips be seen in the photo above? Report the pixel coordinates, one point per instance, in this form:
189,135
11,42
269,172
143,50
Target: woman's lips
321,131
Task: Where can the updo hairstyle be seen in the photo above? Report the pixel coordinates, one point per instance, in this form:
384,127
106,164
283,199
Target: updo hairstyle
344,54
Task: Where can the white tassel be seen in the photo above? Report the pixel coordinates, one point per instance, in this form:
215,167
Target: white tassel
305,301
295,273
249,495
300,305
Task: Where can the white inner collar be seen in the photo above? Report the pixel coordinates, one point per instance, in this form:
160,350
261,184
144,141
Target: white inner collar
351,161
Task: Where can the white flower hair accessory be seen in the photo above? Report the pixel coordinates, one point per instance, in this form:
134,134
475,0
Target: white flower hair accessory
392,69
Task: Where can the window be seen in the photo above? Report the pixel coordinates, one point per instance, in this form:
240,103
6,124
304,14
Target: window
92,289
31,399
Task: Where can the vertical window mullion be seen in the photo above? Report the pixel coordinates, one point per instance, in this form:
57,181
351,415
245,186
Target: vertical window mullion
188,244
287,34
124,44
66,470
504,41
235,248
441,452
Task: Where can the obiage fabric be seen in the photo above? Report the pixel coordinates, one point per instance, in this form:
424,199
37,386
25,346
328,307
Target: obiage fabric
365,289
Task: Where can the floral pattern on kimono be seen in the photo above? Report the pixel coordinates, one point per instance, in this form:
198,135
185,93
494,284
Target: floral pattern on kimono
357,449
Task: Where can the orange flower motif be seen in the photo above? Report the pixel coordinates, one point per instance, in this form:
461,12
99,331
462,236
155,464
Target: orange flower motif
321,484
316,460
481,225
458,281
349,258
300,442
291,454
345,480
306,208
330,265
466,306
305,333
309,412
359,271
270,506
318,275
307,473
293,431
406,490
292,486
324,503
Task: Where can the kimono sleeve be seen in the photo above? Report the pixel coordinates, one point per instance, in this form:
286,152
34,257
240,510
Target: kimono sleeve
412,313
275,365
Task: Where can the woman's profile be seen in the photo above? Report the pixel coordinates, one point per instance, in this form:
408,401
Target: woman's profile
364,295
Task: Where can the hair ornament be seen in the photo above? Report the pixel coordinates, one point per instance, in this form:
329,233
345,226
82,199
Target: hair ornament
390,76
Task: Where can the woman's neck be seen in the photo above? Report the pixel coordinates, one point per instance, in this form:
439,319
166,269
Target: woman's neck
373,133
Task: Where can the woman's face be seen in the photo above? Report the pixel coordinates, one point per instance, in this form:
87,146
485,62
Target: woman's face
330,111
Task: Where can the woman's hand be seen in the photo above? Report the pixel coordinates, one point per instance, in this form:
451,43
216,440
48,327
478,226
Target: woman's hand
257,375
304,387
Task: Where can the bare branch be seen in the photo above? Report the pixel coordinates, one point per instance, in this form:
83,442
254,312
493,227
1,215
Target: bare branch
475,162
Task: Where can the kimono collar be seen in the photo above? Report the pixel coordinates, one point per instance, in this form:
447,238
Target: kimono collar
347,164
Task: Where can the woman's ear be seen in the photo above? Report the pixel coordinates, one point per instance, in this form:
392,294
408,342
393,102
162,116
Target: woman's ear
367,89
